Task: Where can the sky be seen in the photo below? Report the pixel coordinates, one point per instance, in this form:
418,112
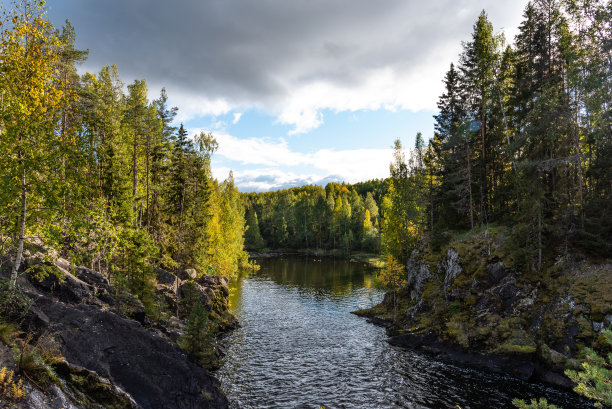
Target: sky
295,91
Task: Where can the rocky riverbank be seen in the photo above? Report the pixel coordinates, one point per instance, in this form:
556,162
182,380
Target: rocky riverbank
112,354
464,303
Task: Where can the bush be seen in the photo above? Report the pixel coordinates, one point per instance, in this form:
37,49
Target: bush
10,388
13,303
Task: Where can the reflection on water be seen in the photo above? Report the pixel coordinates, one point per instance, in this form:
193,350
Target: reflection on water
299,346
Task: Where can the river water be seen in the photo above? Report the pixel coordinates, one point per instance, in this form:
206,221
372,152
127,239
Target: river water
299,346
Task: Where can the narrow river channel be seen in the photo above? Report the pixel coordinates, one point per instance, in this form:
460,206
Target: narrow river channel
299,346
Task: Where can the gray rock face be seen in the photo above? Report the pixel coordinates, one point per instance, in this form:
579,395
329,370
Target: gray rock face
450,268
100,331
416,277
496,270
153,371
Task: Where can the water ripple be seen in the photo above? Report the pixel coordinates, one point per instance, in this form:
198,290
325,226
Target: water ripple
299,347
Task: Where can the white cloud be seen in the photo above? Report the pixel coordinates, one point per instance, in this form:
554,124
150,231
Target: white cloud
237,116
383,88
275,163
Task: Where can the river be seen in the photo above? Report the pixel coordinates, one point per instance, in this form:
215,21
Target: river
299,346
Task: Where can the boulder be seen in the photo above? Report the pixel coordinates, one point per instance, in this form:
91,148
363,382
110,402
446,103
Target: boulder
59,284
165,277
187,274
496,270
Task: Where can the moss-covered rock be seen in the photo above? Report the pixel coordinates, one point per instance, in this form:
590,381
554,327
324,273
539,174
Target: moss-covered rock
473,299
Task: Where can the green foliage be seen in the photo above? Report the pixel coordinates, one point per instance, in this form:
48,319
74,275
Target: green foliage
393,277
199,336
403,207
595,379
312,217
542,403
14,304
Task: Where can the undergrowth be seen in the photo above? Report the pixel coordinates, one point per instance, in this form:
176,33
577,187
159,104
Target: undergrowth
11,388
34,360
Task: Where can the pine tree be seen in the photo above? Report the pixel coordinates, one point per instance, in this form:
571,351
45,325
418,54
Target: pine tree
199,337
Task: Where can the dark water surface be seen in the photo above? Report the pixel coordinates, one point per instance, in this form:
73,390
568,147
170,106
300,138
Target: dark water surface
299,346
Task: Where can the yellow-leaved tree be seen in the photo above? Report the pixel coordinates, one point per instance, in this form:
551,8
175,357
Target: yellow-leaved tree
30,101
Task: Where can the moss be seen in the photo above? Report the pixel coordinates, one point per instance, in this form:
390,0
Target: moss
93,391
586,328
470,300
425,321
432,290
481,332
593,287
457,332
513,349
454,308
552,357
509,337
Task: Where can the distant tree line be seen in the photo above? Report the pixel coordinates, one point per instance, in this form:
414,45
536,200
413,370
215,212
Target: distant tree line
97,171
339,217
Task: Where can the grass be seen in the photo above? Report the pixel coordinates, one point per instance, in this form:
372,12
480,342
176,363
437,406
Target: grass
34,361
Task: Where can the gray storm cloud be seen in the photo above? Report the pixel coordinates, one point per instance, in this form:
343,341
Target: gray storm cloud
256,53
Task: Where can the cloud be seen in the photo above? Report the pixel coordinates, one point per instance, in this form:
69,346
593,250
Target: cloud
237,116
292,59
266,179
273,164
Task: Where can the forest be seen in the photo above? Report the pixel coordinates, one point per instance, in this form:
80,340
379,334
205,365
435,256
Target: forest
93,171
99,175
523,139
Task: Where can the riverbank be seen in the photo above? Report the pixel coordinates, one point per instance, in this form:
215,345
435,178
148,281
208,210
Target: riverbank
371,259
430,344
89,344
465,303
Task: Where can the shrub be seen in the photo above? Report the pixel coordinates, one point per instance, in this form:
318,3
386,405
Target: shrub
10,388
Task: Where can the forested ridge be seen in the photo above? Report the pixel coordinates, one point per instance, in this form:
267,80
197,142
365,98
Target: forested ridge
97,172
523,139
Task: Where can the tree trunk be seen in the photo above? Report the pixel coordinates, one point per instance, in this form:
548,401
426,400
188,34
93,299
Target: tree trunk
134,168
147,177
469,174
21,230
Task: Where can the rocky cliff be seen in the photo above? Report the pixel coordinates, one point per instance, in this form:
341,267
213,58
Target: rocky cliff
466,303
110,345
